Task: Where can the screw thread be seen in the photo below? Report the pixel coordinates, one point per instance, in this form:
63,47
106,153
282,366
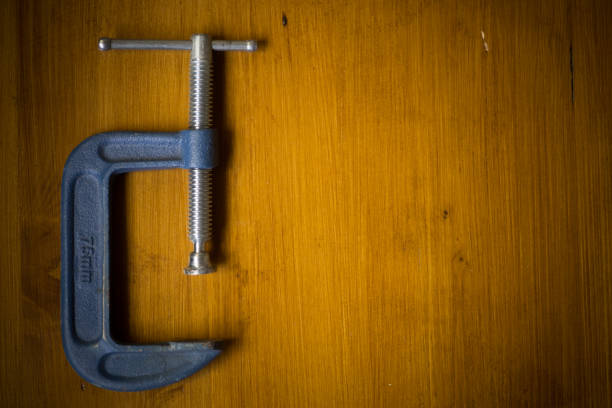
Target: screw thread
200,205
200,180
200,94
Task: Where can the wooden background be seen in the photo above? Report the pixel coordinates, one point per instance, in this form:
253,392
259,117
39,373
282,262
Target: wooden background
403,217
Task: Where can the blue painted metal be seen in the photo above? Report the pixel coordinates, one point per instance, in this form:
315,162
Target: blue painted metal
85,259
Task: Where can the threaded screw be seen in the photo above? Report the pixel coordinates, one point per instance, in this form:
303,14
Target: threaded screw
200,180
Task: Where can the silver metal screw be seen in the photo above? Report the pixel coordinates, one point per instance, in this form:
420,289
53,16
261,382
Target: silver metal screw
200,180
200,117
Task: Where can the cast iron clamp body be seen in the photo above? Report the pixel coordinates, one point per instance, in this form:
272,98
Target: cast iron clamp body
87,342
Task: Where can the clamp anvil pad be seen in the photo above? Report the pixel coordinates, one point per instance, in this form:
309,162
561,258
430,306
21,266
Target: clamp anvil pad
85,256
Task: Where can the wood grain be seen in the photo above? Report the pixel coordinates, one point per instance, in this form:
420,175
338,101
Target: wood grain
403,217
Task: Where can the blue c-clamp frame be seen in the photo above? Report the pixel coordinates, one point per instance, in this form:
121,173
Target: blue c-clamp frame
85,259
85,256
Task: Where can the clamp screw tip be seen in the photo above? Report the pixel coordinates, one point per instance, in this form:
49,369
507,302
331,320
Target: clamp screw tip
199,264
